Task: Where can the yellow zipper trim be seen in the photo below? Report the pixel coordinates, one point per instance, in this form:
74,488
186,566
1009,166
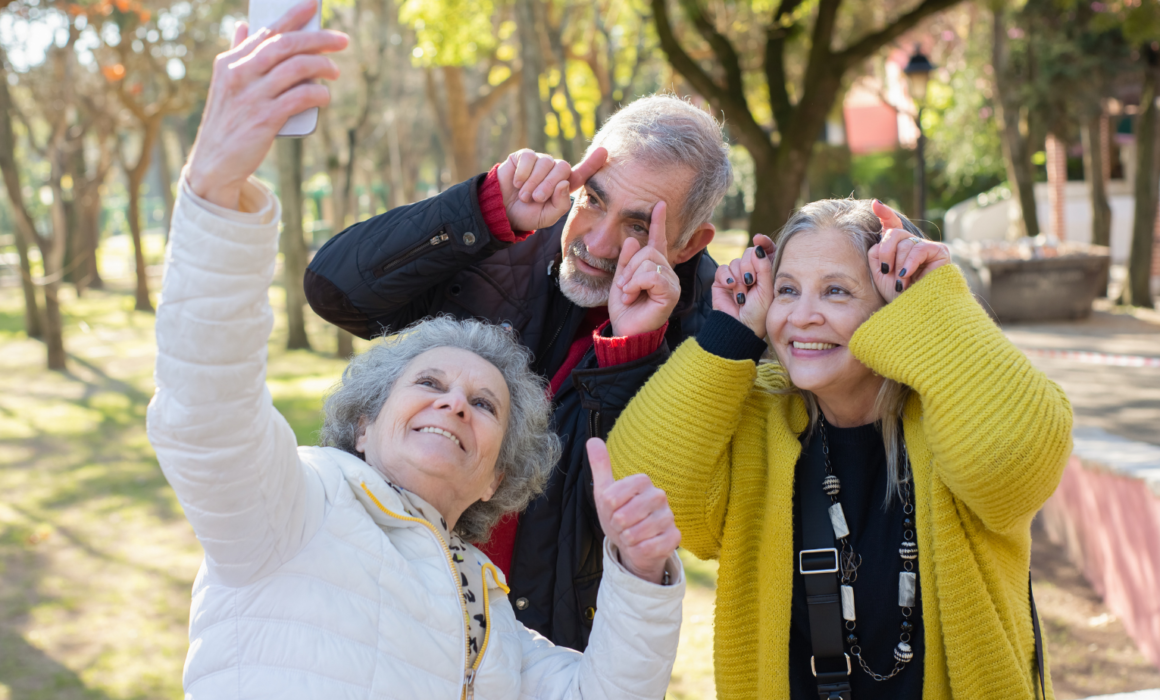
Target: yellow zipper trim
458,584
488,568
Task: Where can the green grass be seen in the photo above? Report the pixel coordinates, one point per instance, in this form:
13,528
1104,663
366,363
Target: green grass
96,557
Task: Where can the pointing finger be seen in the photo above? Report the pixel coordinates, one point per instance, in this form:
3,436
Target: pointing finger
601,465
590,165
886,215
628,249
657,239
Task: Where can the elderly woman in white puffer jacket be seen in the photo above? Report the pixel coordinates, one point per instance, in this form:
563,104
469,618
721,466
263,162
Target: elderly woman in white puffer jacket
346,571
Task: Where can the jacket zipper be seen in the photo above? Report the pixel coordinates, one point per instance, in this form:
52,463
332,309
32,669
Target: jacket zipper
468,671
594,424
469,679
413,252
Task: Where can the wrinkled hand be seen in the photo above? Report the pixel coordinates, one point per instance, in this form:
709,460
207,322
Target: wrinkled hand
744,288
536,187
645,289
635,516
901,259
256,86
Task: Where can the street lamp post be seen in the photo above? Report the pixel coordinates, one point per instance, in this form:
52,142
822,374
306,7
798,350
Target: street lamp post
917,72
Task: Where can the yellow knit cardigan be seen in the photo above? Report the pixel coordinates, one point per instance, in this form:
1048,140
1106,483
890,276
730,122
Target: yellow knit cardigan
988,437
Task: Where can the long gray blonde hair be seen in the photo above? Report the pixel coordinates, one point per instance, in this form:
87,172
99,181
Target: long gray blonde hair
856,219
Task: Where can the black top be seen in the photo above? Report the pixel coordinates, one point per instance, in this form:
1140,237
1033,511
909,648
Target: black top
858,457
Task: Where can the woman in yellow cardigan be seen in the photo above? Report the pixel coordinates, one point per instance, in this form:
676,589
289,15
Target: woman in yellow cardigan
898,415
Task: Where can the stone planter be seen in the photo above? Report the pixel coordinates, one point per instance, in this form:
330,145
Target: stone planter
1046,289
1025,283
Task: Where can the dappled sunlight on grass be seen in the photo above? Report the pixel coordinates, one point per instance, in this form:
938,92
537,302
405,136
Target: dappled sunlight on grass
693,670
96,557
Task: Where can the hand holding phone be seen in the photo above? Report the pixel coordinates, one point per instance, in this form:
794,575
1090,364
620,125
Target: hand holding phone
268,76
263,14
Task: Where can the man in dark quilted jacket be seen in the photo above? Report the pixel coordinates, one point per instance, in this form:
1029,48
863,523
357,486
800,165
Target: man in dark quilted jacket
599,269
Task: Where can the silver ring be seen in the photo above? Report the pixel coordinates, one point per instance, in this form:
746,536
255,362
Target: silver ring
658,268
915,239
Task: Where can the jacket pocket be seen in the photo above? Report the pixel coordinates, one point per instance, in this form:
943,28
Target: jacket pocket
413,253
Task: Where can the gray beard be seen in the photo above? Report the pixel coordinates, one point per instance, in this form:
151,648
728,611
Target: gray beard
582,289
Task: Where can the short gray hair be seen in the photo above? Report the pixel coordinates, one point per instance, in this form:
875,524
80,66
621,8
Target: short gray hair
856,219
530,448
667,131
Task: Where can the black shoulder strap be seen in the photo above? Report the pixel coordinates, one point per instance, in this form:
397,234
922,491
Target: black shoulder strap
1038,639
818,564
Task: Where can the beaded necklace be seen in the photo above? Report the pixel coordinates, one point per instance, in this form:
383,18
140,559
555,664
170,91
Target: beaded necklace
849,562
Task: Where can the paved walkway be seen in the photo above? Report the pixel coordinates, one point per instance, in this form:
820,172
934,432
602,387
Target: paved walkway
1122,400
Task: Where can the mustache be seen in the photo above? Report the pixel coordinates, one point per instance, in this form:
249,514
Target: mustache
579,250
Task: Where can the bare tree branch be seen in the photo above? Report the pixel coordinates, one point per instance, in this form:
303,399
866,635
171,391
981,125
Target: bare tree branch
866,46
776,36
483,105
722,48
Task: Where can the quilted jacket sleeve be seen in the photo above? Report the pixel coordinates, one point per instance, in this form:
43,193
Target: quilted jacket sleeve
385,272
230,456
631,650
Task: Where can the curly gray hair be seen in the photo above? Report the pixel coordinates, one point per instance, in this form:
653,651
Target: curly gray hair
530,449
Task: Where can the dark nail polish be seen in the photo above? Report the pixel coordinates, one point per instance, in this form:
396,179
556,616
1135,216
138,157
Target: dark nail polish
748,279
728,280
898,286
902,272
885,269
740,298
760,252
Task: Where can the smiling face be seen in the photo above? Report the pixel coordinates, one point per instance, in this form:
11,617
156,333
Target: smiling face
440,431
822,294
616,203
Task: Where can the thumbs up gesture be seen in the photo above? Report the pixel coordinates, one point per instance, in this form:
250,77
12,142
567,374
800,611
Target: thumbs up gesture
645,289
635,516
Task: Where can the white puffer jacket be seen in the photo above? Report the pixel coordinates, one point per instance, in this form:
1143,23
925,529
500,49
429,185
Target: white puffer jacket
315,585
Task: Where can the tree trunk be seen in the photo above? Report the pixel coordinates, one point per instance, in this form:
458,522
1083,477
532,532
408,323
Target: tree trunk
532,58
89,206
1095,167
165,178
293,242
778,188
345,348
1016,149
136,175
53,254
33,323
463,129
26,235
395,153
1137,287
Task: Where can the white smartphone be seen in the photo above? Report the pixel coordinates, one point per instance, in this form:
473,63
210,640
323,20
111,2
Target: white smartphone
263,13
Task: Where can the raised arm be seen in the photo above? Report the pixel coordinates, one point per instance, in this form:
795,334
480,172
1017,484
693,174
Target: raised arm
230,457
389,270
679,429
999,429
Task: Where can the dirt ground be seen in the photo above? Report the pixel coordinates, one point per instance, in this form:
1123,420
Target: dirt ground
1090,652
